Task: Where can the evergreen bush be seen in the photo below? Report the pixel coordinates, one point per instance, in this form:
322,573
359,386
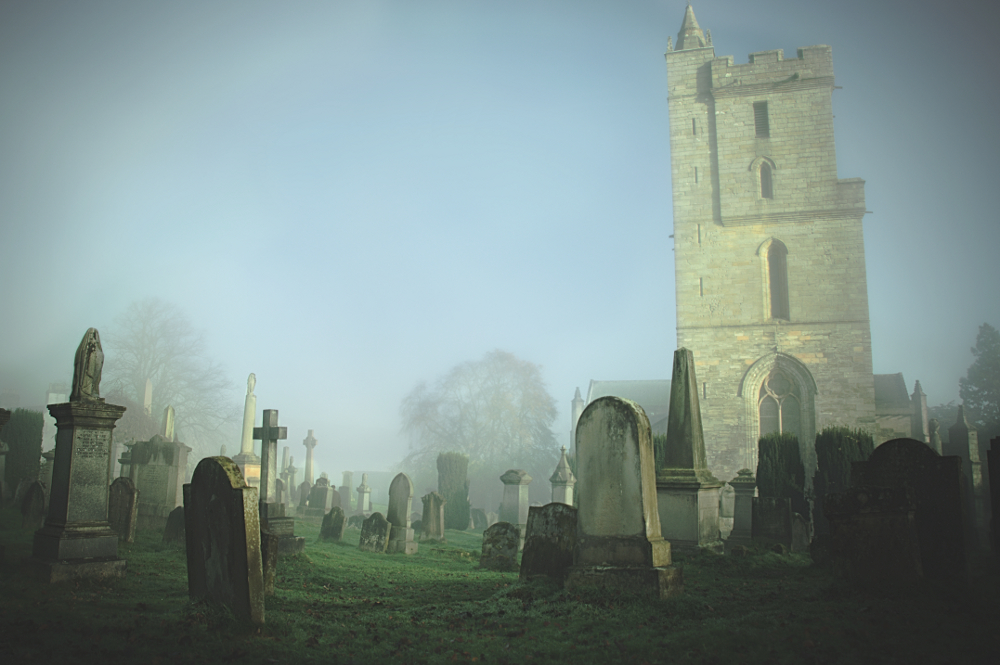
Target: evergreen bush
453,485
780,473
836,448
23,436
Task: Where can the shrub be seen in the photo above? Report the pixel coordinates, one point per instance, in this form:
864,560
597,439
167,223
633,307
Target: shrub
780,473
836,448
453,485
23,435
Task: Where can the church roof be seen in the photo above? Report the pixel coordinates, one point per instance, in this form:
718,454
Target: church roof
890,392
691,34
653,395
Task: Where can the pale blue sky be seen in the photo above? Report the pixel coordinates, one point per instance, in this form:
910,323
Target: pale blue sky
353,196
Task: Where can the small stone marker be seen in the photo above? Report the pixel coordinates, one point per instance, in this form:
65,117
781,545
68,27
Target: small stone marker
173,532
500,544
33,507
400,503
374,534
618,527
123,505
550,541
333,525
223,539
432,519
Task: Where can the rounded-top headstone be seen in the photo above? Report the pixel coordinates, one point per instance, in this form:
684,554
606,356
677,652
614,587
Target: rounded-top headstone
500,544
400,501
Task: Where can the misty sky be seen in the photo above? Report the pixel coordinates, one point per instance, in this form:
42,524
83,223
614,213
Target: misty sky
350,197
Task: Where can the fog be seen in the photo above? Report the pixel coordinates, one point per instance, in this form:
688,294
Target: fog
351,197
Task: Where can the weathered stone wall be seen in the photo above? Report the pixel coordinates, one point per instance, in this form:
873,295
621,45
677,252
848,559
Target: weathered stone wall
723,228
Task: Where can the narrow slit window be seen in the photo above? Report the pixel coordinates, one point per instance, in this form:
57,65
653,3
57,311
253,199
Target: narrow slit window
701,286
777,276
696,174
766,182
760,122
694,127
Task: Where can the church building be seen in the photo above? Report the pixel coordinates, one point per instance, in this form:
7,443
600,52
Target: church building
770,281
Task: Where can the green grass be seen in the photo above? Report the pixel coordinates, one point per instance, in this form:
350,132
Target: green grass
334,604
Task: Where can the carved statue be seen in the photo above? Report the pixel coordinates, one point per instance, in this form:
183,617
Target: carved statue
87,368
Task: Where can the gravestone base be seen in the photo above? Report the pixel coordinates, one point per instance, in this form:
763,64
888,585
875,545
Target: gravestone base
689,512
81,541
401,541
77,569
660,581
284,529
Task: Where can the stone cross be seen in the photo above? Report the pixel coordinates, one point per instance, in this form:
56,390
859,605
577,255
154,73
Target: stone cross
269,433
309,442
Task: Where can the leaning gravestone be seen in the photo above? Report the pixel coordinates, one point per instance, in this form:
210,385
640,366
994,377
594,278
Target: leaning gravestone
374,534
618,527
223,539
173,532
432,520
33,507
550,541
333,525
123,504
400,503
500,545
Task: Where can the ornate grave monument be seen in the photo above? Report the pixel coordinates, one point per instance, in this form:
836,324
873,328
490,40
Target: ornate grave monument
157,468
272,512
562,481
248,462
514,505
77,541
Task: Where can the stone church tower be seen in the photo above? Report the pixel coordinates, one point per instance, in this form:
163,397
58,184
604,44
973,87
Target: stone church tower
770,267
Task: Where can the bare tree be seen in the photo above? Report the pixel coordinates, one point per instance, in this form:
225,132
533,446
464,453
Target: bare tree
496,410
154,340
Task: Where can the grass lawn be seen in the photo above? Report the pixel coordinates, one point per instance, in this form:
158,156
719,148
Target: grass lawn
334,604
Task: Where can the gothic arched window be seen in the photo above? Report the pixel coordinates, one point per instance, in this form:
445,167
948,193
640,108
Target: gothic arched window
766,184
777,280
778,404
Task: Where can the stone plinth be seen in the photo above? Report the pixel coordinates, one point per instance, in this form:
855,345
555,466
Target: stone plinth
744,485
514,506
77,541
618,527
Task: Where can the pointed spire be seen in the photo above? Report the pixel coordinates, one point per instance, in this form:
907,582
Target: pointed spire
691,34
916,389
577,395
962,420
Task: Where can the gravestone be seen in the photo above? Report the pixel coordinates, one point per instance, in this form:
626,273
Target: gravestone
304,490
222,530
345,490
432,519
800,534
77,541
364,496
772,521
744,485
333,525
173,532
938,487
479,519
33,507
123,506
549,542
321,498
963,441
618,527
374,534
280,489
993,471
309,442
157,468
563,481
278,530
873,538
514,506
687,492
398,515
246,459
727,498
500,545
355,521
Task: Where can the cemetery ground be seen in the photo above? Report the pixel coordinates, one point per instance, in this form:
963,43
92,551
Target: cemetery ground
335,604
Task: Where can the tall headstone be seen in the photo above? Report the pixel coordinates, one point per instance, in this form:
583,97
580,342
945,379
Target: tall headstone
744,485
223,539
292,484
123,508
549,541
45,473
563,480
333,525
364,496
432,519
309,442
514,506
77,541
920,426
400,503
273,520
269,434
248,462
33,507
374,534
345,490
157,468
687,492
618,527
963,441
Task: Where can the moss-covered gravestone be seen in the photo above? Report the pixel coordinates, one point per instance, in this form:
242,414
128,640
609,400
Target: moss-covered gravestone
223,539
549,541
374,534
618,544
432,519
33,507
333,525
500,546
